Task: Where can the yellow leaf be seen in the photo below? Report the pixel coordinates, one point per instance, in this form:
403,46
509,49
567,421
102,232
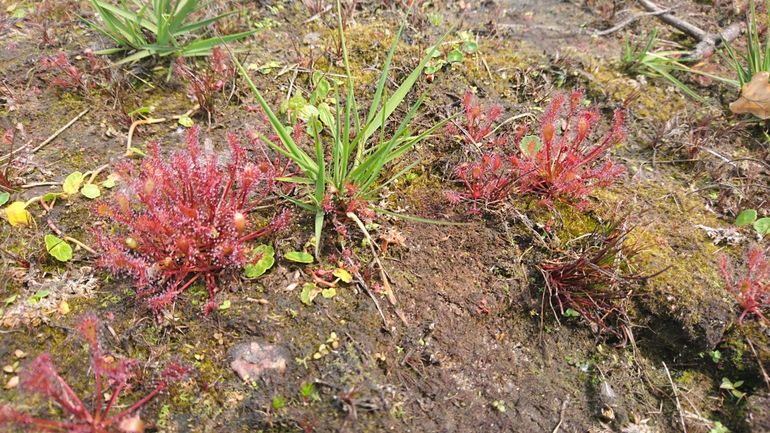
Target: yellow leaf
343,275
17,214
64,308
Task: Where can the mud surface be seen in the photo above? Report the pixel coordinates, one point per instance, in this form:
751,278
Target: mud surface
471,342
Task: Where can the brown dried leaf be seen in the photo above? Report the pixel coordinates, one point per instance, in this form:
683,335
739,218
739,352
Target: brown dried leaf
755,97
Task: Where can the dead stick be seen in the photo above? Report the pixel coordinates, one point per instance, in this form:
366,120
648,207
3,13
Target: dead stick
561,415
133,127
59,131
759,361
628,21
676,398
707,41
670,19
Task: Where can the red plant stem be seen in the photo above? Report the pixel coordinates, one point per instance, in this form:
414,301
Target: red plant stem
115,393
79,409
161,386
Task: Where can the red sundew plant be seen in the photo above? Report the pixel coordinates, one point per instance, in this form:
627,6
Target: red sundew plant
204,83
477,129
64,74
752,289
593,284
561,162
487,182
112,376
186,220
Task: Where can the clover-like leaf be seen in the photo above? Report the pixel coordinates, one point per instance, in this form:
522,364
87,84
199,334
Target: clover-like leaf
746,217
58,248
4,197
109,183
186,121
455,56
762,226
72,183
265,261
329,293
91,191
470,47
299,257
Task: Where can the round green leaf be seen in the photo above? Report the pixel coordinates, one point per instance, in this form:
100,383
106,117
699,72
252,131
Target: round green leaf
455,56
186,121
309,292
470,47
329,293
58,248
762,226
4,197
746,217
90,190
110,181
266,255
299,257
72,183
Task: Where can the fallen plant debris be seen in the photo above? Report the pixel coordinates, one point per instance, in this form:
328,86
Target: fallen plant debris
186,219
755,97
112,377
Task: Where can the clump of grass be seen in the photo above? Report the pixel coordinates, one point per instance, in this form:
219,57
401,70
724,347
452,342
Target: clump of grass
157,28
342,170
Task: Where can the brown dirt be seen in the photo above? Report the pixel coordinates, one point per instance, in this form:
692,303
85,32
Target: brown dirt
477,350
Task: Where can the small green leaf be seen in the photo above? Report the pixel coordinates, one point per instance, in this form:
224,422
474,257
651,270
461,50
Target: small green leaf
569,312
4,197
309,292
762,226
455,56
325,115
109,183
38,296
470,47
90,190
343,275
186,121
72,183
329,293
530,145
299,257
225,305
49,197
746,217
265,261
58,248
279,402
135,150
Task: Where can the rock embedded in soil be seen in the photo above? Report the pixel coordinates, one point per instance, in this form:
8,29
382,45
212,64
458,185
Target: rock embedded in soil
252,360
758,415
